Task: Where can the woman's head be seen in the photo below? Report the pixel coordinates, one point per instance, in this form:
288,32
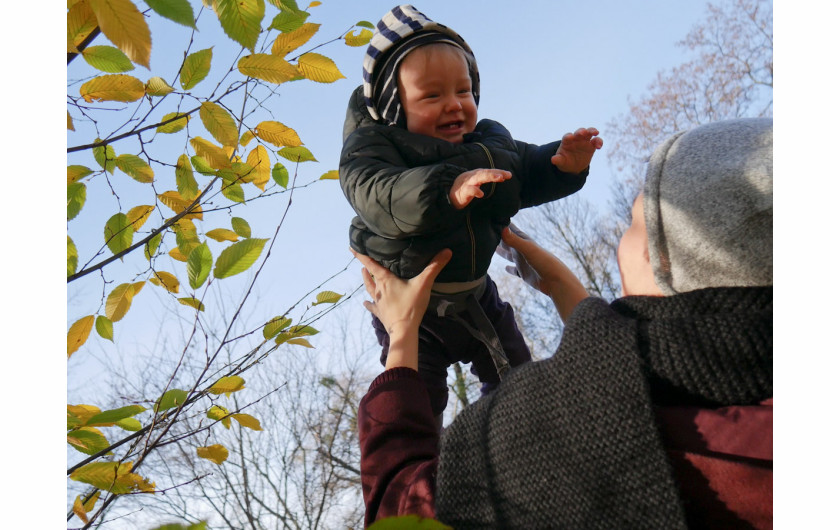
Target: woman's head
707,211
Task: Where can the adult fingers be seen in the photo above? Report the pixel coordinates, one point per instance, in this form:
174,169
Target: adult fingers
435,266
372,266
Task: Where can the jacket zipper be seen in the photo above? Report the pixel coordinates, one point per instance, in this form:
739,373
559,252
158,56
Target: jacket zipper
469,221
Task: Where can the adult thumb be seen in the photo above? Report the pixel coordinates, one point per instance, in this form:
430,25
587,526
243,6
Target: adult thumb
436,265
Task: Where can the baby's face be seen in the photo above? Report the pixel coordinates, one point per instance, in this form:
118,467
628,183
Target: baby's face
436,93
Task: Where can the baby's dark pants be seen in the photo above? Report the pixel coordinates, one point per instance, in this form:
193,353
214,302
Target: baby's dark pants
444,341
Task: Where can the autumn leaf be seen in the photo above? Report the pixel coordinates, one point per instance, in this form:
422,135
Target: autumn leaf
151,246
173,200
105,157
286,42
277,134
76,196
179,11
238,257
222,234
280,174
166,280
219,413
70,122
78,334
107,59
246,420
138,215
105,328
172,126
118,233
114,477
196,67
199,263
136,168
227,385
361,38
113,87
267,67
191,301
241,20
241,227
110,417
213,154
318,68
156,86
170,399
215,453
72,257
327,297
219,123
119,301
88,440
330,175
125,26
289,20
76,173
408,522
234,192
77,415
80,23
275,326
184,179
297,154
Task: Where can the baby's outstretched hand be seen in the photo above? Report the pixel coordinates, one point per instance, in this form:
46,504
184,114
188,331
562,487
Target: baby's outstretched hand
576,150
468,185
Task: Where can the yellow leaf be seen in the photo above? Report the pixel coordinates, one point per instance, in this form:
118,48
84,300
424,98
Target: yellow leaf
213,154
119,302
76,173
156,86
176,254
173,126
226,385
258,159
327,297
277,134
300,342
92,501
267,67
192,301
70,122
112,476
136,168
330,175
318,68
286,42
219,123
79,333
195,68
215,453
125,26
219,413
313,4
246,420
138,286
222,234
80,23
113,87
79,509
138,215
247,136
173,200
166,280
80,414
363,38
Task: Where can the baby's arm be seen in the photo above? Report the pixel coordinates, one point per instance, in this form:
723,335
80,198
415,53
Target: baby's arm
467,185
576,150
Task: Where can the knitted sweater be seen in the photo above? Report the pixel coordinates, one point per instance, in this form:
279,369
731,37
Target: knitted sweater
574,441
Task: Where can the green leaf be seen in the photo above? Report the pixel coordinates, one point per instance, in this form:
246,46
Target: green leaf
157,86
76,195
179,11
196,67
280,174
72,257
136,168
184,179
234,192
365,24
174,125
192,302
129,424
297,154
178,526
88,440
108,59
152,245
219,123
110,417
241,20
200,164
76,173
289,20
275,326
238,257
105,157
199,263
241,227
119,233
170,399
105,328
327,297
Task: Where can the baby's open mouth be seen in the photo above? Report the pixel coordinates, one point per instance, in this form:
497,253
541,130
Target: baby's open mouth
451,126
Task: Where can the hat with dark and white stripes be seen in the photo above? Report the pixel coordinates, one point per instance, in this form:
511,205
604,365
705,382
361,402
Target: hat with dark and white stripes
399,32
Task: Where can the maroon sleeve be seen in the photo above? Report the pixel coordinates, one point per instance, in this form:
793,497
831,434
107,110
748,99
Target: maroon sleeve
723,463
399,447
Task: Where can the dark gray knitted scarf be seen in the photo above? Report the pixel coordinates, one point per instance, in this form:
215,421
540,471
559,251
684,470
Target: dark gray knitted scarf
571,442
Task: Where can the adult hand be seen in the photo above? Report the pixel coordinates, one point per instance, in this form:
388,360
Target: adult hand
467,185
543,271
576,150
400,304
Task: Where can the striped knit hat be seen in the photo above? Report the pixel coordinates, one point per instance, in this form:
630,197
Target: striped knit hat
400,31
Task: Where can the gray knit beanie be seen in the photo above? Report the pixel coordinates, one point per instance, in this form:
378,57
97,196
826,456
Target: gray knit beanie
401,30
708,202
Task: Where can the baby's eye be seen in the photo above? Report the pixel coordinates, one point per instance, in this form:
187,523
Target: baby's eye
431,95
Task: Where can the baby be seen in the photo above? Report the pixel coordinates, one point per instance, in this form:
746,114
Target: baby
424,174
